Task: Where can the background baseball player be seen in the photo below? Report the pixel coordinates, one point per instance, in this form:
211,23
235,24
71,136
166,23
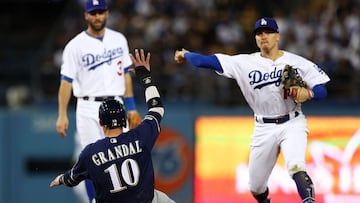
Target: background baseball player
120,165
279,121
95,66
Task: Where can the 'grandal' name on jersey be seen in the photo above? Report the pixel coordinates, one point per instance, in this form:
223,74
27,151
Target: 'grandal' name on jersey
257,77
90,59
116,152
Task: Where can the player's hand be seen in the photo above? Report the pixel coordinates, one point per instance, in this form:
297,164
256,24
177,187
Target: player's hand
56,181
134,119
139,59
179,55
62,125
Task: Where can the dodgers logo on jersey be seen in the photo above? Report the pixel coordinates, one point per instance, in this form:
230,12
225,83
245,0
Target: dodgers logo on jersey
260,79
93,61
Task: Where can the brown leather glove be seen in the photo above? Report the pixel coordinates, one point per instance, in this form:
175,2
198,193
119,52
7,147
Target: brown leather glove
295,86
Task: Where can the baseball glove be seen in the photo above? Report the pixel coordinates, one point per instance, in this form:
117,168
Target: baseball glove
134,119
295,86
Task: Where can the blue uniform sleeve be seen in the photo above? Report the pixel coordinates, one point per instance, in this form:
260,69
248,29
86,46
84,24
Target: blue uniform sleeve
77,173
202,61
320,91
148,131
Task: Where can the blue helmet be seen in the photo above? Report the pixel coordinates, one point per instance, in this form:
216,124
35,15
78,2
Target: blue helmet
112,114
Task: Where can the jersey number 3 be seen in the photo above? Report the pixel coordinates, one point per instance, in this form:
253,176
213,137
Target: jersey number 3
129,173
119,63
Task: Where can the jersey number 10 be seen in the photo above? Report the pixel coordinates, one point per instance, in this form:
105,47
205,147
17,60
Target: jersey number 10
129,173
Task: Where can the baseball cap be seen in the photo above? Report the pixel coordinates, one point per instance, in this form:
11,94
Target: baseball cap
92,5
266,22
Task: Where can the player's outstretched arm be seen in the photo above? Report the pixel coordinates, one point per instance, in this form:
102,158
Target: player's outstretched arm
73,176
142,71
198,60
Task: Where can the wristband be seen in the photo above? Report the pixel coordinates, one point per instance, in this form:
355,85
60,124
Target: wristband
129,103
144,76
61,180
126,70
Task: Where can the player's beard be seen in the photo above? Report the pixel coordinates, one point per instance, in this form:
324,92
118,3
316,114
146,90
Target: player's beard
97,26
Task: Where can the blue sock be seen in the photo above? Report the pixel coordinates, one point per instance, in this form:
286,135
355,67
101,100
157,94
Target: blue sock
304,186
90,189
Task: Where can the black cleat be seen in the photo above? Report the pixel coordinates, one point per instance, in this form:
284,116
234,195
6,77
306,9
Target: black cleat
267,201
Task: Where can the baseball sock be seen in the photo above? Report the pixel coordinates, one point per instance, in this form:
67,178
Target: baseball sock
261,198
304,186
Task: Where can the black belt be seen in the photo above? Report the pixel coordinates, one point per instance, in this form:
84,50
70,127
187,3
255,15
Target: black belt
280,119
98,99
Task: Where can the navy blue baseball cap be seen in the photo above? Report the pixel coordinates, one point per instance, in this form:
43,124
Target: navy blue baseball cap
266,22
92,5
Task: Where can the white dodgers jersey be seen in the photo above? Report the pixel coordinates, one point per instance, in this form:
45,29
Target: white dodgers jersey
259,79
96,66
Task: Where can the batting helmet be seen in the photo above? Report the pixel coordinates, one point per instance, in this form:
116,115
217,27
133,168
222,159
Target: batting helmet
112,114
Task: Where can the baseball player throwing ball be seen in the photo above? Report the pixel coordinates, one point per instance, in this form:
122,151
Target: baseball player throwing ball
274,83
95,67
120,165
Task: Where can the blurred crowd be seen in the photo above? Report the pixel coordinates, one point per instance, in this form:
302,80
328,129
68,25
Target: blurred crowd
325,31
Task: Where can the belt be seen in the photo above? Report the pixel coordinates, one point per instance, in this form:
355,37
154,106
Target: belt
99,99
277,120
